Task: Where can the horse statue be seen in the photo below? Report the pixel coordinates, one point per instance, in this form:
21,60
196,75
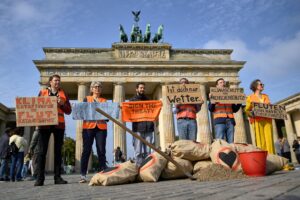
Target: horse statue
136,34
147,34
123,35
158,35
132,34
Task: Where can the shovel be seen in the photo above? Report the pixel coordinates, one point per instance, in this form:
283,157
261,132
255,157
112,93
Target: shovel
188,174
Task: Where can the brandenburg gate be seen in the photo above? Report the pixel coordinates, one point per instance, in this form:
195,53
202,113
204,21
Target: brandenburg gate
123,65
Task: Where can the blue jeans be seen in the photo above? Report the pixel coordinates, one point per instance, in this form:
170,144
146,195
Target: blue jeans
88,136
187,129
4,168
16,167
225,131
141,151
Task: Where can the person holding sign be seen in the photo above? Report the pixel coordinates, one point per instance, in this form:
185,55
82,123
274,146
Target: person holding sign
261,125
144,129
223,116
63,107
186,118
93,130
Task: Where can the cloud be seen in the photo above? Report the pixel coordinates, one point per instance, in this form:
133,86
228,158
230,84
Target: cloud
276,62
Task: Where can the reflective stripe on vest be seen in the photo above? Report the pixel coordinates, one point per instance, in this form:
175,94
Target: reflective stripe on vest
61,94
264,99
223,111
101,124
186,110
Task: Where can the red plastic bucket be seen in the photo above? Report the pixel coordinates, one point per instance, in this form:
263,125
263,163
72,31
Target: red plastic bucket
254,162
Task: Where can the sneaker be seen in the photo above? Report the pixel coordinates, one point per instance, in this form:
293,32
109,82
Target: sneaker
83,179
39,183
60,181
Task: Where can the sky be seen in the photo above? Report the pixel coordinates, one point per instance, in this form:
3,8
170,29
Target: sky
264,33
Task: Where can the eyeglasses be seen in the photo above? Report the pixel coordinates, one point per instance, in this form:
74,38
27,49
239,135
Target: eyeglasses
261,84
97,86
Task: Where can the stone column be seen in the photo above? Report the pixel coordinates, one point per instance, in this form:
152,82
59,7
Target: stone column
275,130
290,134
119,133
239,129
27,132
2,127
203,131
83,90
252,132
166,120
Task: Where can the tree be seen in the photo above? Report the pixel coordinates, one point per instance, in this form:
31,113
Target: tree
68,151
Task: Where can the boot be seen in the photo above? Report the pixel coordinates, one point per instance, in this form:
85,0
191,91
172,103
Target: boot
39,183
59,180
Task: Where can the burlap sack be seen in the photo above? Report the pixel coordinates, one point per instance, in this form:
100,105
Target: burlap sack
190,150
152,167
120,174
240,147
200,165
275,163
172,172
224,154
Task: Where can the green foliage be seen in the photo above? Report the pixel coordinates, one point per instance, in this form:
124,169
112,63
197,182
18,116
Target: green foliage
68,151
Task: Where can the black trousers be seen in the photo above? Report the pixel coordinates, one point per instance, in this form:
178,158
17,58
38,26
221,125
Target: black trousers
43,147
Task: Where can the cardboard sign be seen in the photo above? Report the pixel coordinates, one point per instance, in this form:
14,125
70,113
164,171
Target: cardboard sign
36,111
87,111
184,94
269,111
227,95
138,111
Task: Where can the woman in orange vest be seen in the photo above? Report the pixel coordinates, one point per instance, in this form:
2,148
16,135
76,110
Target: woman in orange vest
261,125
93,130
63,107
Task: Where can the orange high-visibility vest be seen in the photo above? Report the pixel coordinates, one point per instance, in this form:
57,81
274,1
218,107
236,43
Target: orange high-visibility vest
188,110
101,124
223,111
264,99
61,94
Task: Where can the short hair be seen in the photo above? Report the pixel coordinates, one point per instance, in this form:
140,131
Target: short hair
140,83
17,131
253,85
219,80
93,84
51,78
184,79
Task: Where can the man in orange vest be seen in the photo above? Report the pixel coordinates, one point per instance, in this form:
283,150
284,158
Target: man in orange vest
186,118
63,107
223,116
144,129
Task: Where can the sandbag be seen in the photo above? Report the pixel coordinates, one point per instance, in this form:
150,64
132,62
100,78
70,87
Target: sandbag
275,163
190,150
172,172
224,154
241,147
200,165
152,167
119,174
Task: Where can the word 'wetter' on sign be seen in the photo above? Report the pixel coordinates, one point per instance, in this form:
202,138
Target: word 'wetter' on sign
36,111
137,111
227,95
269,110
184,94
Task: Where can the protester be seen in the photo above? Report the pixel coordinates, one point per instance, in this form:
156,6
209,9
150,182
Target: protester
63,107
4,155
34,151
223,116
186,118
17,158
261,125
144,129
93,130
296,148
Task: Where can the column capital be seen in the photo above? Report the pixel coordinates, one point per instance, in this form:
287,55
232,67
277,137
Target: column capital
118,83
82,83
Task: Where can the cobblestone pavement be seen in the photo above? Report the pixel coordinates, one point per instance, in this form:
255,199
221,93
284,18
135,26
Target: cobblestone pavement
281,185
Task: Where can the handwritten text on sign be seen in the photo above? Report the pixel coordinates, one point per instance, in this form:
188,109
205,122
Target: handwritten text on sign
227,95
138,111
36,111
184,94
269,111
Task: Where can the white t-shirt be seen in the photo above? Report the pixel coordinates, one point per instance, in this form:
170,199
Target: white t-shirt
19,141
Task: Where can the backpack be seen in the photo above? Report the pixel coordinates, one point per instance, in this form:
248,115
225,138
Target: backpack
13,149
